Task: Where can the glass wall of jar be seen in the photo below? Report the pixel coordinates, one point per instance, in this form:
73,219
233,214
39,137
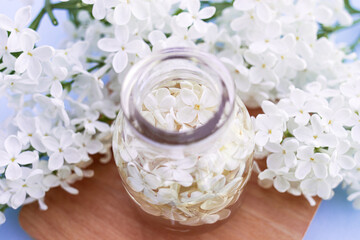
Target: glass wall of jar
183,141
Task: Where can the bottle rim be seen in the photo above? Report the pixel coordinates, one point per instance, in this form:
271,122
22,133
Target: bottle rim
145,130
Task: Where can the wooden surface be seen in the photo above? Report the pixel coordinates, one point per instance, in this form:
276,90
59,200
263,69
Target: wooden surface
103,210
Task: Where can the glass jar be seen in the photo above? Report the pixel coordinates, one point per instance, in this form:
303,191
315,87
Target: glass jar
192,175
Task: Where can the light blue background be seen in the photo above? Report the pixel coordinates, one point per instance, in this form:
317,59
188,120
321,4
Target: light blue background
335,219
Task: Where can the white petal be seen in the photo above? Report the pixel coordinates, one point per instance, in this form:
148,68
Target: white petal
263,12
355,133
244,5
34,68
183,177
51,143
134,46
26,42
13,171
204,116
302,169
6,23
22,17
136,184
346,162
13,145
274,161
184,19
207,12
323,190
43,53
200,26
109,44
305,153
26,158
186,115
320,170
188,97
122,34
56,89
101,126
56,160
120,61
18,198
152,181
122,14
140,10
35,192
99,10
281,184
22,63
72,155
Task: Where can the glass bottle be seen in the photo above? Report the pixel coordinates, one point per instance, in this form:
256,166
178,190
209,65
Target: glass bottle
183,177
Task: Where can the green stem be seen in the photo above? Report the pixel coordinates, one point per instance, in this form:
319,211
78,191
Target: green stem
35,24
48,9
349,8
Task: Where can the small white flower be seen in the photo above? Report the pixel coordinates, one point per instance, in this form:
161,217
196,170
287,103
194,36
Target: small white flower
196,107
262,67
29,132
60,150
177,170
18,27
12,158
195,15
268,129
140,181
308,160
314,134
121,46
91,123
282,154
263,11
30,60
98,9
126,8
31,185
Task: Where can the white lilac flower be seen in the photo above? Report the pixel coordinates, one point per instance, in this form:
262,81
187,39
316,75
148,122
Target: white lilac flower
262,67
98,9
262,9
29,132
54,76
124,9
280,179
340,159
195,15
30,60
30,184
8,59
178,171
265,38
17,28
140,181
62,178
87,145
268,129
121,46
309,160
314,134
53,107
91,123
282,154
61,149
12,158
194,106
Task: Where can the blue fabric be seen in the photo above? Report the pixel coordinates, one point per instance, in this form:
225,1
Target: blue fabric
335,219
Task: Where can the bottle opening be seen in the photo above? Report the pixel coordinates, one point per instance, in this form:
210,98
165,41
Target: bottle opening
178,96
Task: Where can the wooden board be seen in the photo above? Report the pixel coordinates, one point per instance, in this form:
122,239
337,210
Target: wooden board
103,210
